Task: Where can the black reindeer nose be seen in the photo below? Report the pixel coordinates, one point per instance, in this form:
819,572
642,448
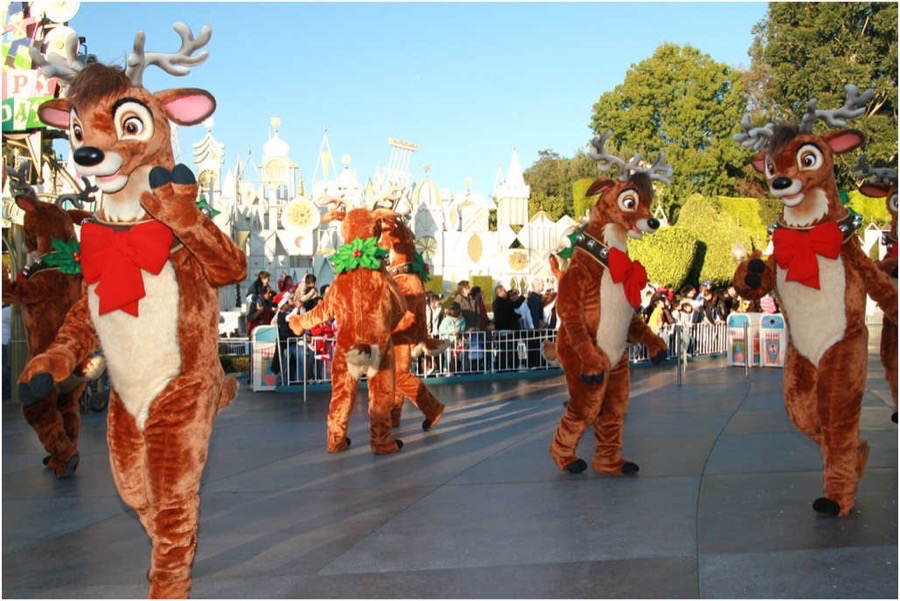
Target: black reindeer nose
653,223
88,156
780,183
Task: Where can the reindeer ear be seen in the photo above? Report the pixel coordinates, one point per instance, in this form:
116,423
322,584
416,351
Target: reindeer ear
599,186
26,203
843,140
874,190
759,162
55,113
382,213
187,106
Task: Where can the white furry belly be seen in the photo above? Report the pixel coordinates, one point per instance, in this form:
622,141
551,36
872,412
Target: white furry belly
817,318
615,317
142,353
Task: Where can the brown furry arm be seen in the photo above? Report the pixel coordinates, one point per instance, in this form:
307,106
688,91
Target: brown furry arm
755,278
75,342
321,313
25,292
638,331
570,310
879,285
889,266
401,317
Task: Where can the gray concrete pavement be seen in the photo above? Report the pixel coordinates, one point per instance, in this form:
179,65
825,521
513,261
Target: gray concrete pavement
476,508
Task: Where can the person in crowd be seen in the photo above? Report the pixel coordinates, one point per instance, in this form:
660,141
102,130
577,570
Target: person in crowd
7,389
261,311
521,307
283,308
505,317
478,296
453,326
535,302
306,291
550,319
434,313
768,304
286,283
463,297
656,316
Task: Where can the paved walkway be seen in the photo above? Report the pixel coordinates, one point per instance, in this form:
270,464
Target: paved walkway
476,508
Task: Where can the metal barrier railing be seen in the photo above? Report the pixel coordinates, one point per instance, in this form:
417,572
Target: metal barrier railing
307,359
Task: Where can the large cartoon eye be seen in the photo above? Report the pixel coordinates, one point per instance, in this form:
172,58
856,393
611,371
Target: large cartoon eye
892,202
133,120
628,200
770,169
809,157
76,136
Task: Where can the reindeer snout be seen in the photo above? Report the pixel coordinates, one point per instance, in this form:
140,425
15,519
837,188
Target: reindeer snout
88,156
653,223
781,183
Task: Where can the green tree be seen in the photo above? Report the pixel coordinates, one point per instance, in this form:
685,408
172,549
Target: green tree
682,102
810,50
551,179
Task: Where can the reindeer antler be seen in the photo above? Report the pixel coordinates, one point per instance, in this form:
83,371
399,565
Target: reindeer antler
62,68
854,106
78,199
659,170
18,181
178,63
880,174
389,199
754,138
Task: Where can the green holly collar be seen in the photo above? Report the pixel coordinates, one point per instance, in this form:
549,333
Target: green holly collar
65,255
359,253
566,253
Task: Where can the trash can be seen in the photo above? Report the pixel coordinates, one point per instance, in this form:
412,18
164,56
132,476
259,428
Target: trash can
738,347
773,337
263,343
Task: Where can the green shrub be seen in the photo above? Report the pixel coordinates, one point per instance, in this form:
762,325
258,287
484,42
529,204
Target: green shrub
235,363
671,256
582,204
873,210
706,219
748,213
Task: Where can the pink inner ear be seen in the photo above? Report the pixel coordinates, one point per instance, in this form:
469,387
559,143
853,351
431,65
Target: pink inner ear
873,190
26,204
845,141
54,117
188,110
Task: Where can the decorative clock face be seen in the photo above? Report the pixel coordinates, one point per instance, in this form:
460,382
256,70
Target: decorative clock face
518,260
276,170
427,247
300,214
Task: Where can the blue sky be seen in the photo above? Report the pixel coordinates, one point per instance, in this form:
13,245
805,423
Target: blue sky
467,82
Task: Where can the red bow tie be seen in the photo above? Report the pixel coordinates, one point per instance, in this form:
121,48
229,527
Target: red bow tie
630,273
796,250
116,258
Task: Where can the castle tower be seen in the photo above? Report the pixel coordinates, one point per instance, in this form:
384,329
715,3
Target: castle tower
512,195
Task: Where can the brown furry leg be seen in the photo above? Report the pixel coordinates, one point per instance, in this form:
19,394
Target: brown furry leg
411,386
127,459
611,421
177,435
343,397
44,417
889,356
381,402
800,397
70,410
582,409
840,393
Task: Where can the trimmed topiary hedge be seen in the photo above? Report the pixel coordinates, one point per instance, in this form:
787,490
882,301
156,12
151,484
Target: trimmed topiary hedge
672,256
707,220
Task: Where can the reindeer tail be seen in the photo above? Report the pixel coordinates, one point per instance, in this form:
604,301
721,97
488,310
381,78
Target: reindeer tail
363,359
549,352
430,347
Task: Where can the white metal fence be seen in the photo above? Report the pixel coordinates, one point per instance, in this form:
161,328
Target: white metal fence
307,359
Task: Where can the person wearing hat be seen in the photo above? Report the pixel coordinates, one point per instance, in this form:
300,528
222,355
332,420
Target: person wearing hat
283,308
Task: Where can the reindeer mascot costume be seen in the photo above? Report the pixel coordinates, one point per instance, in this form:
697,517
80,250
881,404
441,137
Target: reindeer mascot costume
152,263
821,276
598,294
46,290
367,306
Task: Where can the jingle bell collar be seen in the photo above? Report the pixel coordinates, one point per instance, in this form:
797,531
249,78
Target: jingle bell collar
622,269
795,250
359,253
890,243
417,266
113,259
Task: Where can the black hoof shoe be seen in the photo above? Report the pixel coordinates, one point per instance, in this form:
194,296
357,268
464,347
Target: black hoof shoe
71,466
41,385
46,460
181,174
577,466
159,177
347,438
426,425
894,417
399,443
659,357
824,506
630,468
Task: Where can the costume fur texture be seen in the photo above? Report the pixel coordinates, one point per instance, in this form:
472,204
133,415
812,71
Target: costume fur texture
45,295
409,341
161,341
825,363
367,307
597,321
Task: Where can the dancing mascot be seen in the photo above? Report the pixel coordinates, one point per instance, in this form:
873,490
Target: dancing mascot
367,306
152,263
882,183
45,290
598,294
821,276
410,272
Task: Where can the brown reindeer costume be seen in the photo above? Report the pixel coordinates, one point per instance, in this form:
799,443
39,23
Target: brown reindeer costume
367,306
883,184
598,294
46,290
820,276
152,263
